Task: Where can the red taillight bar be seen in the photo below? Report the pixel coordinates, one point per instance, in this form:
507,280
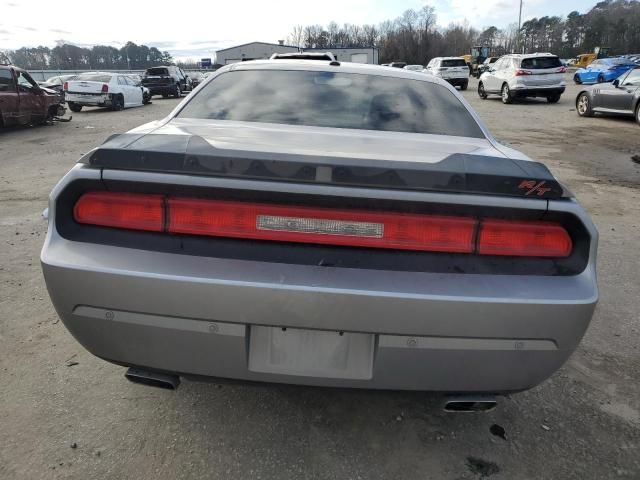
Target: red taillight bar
301,224
321,225
520,73
105,88
65,86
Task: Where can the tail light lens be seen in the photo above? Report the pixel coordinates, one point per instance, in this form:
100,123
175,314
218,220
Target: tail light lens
528,239
121,210
301,224
105,88
521,73
323,226
65,87
562,70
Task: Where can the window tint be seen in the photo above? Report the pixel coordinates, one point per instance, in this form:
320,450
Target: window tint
328,99
539,63
454,63
92,77
157,71
6,81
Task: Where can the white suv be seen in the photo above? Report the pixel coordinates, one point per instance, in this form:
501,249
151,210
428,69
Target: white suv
452,69
518,76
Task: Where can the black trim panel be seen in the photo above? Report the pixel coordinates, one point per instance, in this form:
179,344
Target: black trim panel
321,255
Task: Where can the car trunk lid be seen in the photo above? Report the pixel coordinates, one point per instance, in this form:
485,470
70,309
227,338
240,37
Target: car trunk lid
327,156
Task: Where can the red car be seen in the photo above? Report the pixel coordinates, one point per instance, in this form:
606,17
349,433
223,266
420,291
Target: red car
24,102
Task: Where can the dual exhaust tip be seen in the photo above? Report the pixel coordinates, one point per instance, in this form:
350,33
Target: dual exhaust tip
453,404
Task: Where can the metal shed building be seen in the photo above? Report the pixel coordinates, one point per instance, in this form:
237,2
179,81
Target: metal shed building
251,51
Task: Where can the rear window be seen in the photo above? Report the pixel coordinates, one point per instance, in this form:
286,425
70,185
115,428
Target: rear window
539,63
454,63
92,77
338,100
157,71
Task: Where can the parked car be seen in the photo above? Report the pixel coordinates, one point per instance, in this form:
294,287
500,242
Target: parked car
24,102
102,89
622,97
414,68
603,70
165,81
146,93
56,83
452,69
343,226
520,76
486,66
397,64
196,78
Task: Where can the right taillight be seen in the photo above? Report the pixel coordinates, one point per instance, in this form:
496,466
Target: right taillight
523,239
105,88
65,87
339,227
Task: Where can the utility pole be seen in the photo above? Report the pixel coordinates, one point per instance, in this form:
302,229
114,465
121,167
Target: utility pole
520,46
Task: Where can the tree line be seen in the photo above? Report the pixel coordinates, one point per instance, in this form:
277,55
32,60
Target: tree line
98,57
415,37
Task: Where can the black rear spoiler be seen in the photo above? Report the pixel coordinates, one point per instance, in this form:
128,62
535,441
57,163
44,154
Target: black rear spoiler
459,173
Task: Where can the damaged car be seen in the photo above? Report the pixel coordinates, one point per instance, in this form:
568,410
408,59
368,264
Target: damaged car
24,102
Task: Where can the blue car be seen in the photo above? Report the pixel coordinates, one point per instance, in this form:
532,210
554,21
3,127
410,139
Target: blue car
603,70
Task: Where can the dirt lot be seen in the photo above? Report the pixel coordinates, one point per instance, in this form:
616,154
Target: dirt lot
66,414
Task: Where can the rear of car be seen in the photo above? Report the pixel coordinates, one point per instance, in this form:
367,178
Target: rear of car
452,69
538,76
89,89
161,81
347,226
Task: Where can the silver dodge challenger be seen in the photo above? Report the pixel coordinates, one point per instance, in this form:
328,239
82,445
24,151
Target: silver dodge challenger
322,223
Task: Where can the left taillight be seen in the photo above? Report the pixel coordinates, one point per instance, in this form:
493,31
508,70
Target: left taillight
340,227
521,73
121,210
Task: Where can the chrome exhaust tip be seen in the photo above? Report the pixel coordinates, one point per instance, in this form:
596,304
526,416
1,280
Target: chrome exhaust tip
470,403
152,379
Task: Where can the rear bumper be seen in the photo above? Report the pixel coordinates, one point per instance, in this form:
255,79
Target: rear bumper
521,91
161,89
437,332
193,315
103,100
456,82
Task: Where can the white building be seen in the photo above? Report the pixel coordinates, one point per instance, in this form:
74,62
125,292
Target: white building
262,50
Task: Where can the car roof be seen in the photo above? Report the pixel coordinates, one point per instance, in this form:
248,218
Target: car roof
448,58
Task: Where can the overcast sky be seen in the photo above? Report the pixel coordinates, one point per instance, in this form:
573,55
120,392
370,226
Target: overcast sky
201,28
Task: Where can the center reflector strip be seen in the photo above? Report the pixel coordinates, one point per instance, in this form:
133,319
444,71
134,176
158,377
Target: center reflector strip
320,226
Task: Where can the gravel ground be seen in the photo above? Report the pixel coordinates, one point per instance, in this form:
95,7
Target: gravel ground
66,414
